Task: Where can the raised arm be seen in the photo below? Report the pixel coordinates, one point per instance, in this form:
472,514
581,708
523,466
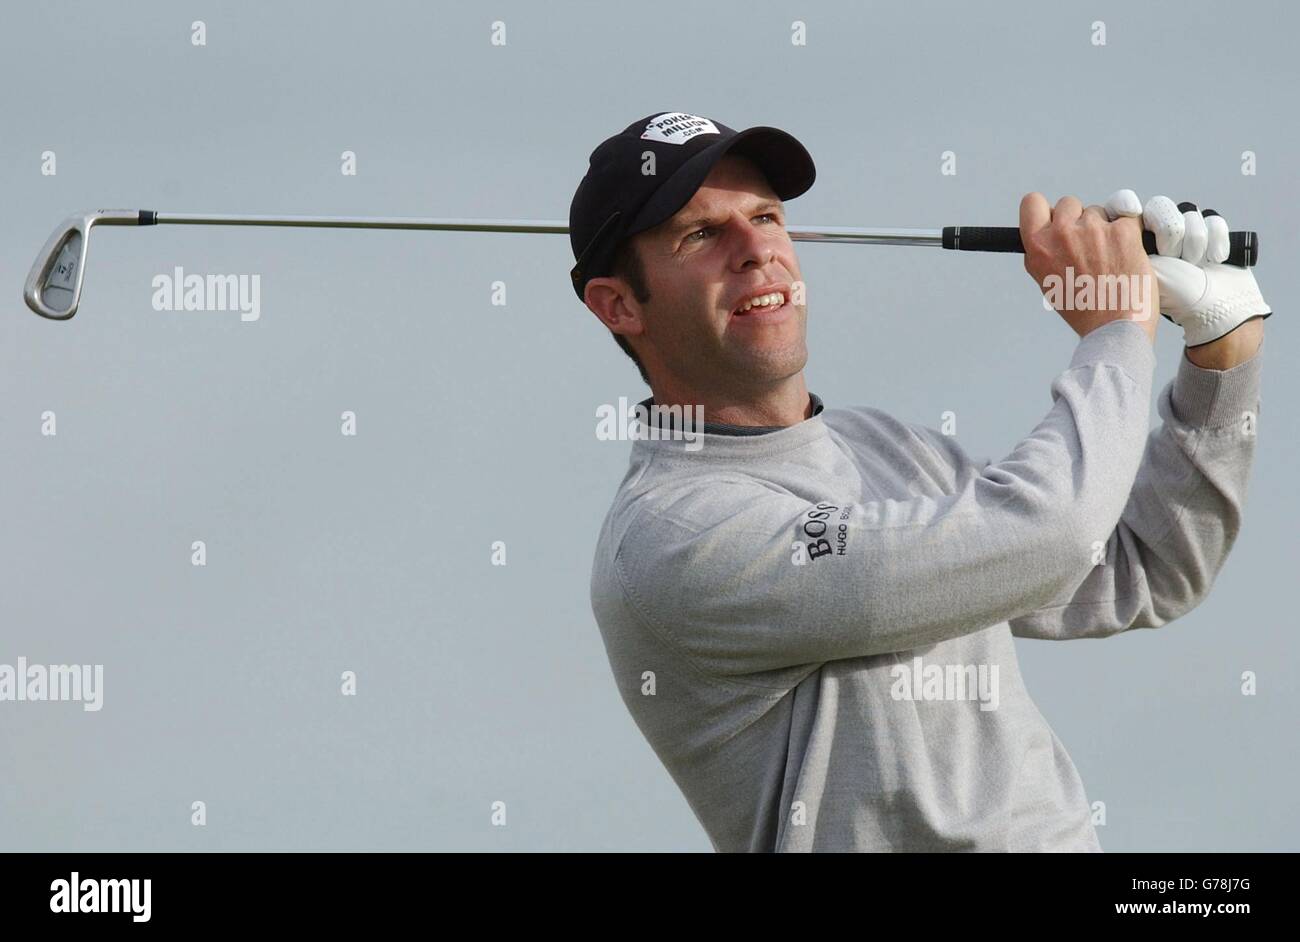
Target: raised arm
1185,509
716,571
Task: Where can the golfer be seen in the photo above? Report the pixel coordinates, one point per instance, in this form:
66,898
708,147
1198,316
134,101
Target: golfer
809,611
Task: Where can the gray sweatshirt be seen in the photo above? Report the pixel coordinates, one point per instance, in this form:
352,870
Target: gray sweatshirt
813,627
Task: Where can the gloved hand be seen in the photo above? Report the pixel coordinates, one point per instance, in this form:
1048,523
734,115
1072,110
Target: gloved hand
1203,297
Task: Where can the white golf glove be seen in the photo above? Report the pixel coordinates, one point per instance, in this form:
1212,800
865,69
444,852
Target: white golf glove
1203,297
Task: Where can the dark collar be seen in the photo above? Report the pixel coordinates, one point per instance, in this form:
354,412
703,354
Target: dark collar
723,428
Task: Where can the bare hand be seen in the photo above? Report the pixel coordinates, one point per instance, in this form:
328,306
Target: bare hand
1090,264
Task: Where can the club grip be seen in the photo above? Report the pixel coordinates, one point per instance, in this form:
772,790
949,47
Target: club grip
1243,247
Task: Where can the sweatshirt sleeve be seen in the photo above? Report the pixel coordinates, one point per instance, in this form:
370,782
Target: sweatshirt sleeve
743,579
1182,516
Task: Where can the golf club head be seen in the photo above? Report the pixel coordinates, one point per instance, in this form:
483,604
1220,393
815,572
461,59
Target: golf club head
53,287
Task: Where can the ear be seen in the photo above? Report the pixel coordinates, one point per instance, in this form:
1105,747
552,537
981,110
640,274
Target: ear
611,300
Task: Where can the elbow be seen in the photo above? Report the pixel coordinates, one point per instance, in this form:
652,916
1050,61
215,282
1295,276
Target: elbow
1178,591
1171,590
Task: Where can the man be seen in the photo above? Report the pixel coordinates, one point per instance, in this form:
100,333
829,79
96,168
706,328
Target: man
810,616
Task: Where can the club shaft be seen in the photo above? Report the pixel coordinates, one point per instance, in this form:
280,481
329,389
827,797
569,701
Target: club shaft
366,222
60,267
1243,246
551,226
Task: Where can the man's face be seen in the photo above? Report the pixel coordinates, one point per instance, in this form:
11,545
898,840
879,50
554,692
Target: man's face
727,245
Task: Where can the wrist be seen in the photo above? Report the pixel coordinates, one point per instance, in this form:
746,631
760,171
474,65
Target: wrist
1233,348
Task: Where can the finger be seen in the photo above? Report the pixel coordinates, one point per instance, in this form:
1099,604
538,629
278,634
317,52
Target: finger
1165,221
1095,212
1195,234
1035,213
1216,245
1123,203
1129,224
1067,211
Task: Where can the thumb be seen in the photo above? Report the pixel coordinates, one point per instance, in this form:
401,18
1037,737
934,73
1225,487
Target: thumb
1181,283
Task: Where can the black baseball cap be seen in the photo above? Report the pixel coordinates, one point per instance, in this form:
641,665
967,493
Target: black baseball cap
617,198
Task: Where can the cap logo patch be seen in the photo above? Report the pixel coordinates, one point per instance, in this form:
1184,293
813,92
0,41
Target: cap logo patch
677,128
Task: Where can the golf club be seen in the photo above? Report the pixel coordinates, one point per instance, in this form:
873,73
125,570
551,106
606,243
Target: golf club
53,287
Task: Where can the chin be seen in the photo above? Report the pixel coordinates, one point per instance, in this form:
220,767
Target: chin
775,365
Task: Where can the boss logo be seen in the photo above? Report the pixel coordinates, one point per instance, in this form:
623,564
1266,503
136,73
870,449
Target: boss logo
821,526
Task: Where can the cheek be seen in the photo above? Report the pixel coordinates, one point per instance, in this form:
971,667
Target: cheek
692,307
791,261
699,312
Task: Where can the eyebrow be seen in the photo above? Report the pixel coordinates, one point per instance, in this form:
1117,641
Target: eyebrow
687,227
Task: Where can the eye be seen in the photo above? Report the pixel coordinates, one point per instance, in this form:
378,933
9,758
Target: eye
691,237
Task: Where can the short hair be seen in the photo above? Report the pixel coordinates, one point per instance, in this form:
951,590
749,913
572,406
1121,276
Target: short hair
628,265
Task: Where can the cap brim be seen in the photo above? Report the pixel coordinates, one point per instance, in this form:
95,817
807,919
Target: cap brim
783,160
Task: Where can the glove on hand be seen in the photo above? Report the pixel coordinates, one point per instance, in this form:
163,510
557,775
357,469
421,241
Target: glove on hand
1202,296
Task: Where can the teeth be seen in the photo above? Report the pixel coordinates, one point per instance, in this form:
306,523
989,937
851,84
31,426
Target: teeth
763,300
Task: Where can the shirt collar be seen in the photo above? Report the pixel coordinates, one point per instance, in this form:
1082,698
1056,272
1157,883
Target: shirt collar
666,420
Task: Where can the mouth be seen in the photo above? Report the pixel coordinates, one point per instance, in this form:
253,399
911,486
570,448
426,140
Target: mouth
766,304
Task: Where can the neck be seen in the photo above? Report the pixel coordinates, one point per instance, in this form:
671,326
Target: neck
783,404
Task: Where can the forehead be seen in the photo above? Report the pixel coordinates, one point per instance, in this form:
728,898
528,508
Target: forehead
734,181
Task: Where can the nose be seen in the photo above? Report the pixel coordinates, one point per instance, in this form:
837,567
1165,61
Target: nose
753,246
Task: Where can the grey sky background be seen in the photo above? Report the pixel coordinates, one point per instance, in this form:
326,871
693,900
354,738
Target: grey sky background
476,423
